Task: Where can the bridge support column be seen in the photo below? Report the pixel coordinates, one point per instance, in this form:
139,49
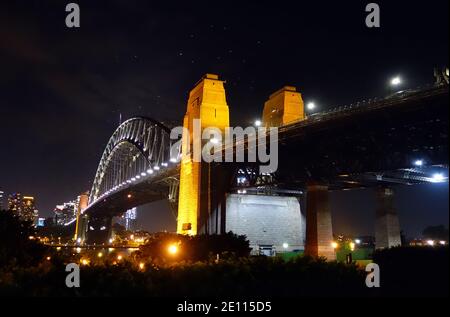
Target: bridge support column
387,228
99,230
81,224
207,103
319,231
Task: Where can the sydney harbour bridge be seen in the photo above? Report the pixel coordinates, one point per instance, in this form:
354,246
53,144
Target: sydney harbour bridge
379,143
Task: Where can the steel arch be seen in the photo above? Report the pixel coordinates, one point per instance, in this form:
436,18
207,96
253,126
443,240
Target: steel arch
138,146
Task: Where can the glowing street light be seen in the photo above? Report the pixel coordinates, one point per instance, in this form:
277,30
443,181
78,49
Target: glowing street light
418,162
100,254
310,106
437,178
334,244
430,242
173,249
352,246
258,123
396,81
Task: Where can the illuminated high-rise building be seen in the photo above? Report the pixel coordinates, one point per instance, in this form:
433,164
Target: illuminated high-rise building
1,199
23,206
15,203
66,213
128,219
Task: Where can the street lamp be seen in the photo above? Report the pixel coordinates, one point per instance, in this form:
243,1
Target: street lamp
310,106
173,249
396,81
418,162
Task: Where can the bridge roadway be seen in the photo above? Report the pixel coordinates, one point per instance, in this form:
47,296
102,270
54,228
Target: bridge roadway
353,146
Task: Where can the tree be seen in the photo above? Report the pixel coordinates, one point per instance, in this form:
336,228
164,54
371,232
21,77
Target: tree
17,244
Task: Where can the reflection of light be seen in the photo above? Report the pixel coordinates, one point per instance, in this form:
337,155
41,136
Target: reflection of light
437,178
418,163
357,241
430,242
334,245
173,160
285,245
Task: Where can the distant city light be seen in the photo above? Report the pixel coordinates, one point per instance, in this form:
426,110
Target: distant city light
258,123
442,242
418,163
430,242
396,81
119,257
84,262
311,106
357,241
48,258
100,254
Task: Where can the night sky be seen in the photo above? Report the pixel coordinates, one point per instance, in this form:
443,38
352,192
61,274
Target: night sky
62,90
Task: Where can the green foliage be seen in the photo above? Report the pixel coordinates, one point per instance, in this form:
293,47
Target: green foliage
194,248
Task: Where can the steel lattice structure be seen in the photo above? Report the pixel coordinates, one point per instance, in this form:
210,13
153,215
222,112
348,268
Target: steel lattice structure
138,148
